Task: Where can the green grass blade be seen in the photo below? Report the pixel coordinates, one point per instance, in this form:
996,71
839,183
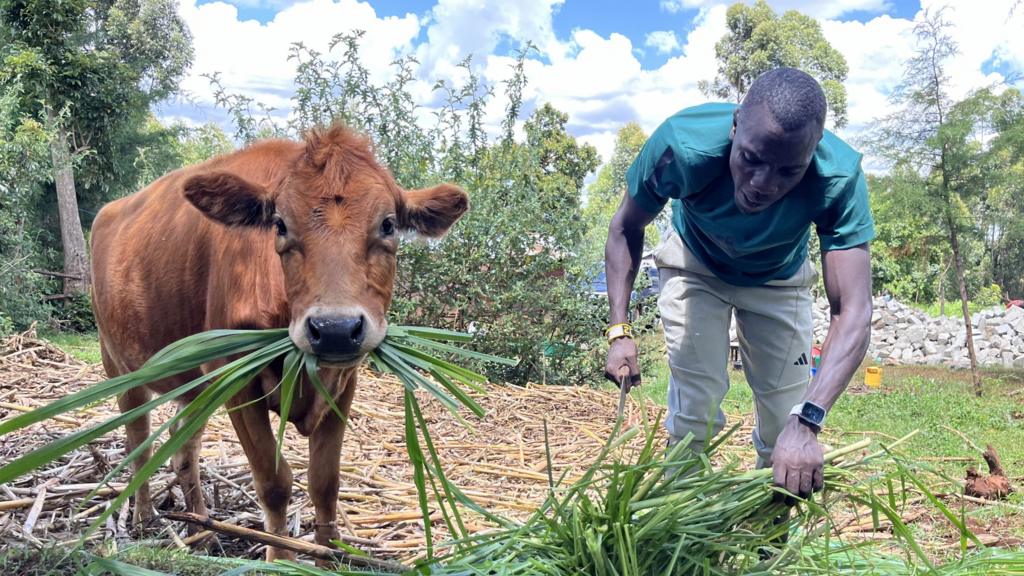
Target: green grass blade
398,363
462,352
436,470
429,333
187,422
314,376
289,380
412,447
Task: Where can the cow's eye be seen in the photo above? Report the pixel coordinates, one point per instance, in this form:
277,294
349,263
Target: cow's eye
282,230
387,227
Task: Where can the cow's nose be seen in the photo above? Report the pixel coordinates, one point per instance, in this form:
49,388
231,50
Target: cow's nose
335,335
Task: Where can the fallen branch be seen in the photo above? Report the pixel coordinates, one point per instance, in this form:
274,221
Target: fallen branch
57,274
295,545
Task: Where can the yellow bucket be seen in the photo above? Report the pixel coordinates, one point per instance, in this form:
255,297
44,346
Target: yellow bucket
873,377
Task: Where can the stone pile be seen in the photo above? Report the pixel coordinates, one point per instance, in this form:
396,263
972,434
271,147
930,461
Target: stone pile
903,335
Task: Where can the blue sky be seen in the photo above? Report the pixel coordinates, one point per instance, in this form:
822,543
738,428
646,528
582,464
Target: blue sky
603,62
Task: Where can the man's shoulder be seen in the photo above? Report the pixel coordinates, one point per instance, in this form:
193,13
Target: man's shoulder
703,129
834,159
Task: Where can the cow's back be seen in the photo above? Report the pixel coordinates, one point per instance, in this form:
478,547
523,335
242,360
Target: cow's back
163,271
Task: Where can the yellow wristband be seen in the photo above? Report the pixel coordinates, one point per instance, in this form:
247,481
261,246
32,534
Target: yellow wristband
616,331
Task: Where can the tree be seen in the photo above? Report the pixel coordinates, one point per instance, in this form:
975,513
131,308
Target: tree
934,138
907,254
606,192
90,69
758,40
24,158
1003,205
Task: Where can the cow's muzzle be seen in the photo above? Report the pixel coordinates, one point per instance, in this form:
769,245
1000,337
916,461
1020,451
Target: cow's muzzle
336,336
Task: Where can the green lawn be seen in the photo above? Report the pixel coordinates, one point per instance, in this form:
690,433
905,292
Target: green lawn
934,400
65,562
84,347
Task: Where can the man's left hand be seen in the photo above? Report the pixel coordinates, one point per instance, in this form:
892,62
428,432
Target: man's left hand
798,463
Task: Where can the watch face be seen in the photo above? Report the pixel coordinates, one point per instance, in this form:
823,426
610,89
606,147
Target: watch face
813,413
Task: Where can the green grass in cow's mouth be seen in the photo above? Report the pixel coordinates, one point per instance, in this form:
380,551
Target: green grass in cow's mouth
408,352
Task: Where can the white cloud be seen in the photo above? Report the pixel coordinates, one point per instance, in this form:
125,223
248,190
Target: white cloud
460,28
674,6
263,4
664,41
252,58
875,67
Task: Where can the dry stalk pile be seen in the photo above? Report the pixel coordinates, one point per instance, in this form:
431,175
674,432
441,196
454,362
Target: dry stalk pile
499,461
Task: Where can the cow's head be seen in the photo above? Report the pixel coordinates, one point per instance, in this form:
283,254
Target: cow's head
336,218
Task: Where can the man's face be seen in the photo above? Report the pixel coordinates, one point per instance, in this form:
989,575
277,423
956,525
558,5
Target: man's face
767,162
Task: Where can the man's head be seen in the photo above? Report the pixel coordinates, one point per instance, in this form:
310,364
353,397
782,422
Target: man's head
774,134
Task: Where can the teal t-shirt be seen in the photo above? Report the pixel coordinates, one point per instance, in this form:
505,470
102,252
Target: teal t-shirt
686,160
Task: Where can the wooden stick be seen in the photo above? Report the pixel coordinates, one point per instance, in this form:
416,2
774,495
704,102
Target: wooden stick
964,438
293,544
16,504
981,500
21,408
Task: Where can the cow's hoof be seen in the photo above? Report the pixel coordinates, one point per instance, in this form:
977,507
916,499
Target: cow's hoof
326,533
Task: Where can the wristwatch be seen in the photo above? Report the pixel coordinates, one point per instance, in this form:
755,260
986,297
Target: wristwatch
810,414
616,331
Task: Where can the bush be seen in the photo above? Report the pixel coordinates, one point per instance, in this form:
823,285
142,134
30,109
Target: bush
75,315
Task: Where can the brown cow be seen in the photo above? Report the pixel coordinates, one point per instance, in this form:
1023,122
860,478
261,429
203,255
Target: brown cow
302,235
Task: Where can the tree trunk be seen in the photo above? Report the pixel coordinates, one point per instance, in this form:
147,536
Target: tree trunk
954,241
942,296
76,259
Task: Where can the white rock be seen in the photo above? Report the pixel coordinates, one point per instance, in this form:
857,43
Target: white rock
1013,313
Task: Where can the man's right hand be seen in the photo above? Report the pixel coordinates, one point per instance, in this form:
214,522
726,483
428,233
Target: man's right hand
622,352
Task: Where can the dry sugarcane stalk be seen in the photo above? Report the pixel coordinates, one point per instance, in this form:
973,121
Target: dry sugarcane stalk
37,506
293,544
21,408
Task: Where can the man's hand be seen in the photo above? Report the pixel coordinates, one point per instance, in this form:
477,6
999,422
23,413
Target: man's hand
622,352
798,463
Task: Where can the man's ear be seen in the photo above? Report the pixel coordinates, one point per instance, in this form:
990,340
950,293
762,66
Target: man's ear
735,118
230,199
432,211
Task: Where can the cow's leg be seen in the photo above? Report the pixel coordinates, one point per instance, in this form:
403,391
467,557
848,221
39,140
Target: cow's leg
324,459
273,480
135,433
186,467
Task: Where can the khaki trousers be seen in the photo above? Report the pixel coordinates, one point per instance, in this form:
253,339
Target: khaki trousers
774,328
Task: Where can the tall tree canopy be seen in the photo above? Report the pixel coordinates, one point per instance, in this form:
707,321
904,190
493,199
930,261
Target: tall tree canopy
89,70
759,40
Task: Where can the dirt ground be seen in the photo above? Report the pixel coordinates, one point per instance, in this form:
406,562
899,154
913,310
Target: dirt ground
498,460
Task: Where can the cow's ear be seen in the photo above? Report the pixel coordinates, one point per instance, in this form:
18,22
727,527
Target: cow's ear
230,199
432,211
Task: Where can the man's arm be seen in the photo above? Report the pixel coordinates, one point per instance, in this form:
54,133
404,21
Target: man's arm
847,275
622,253
798,460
